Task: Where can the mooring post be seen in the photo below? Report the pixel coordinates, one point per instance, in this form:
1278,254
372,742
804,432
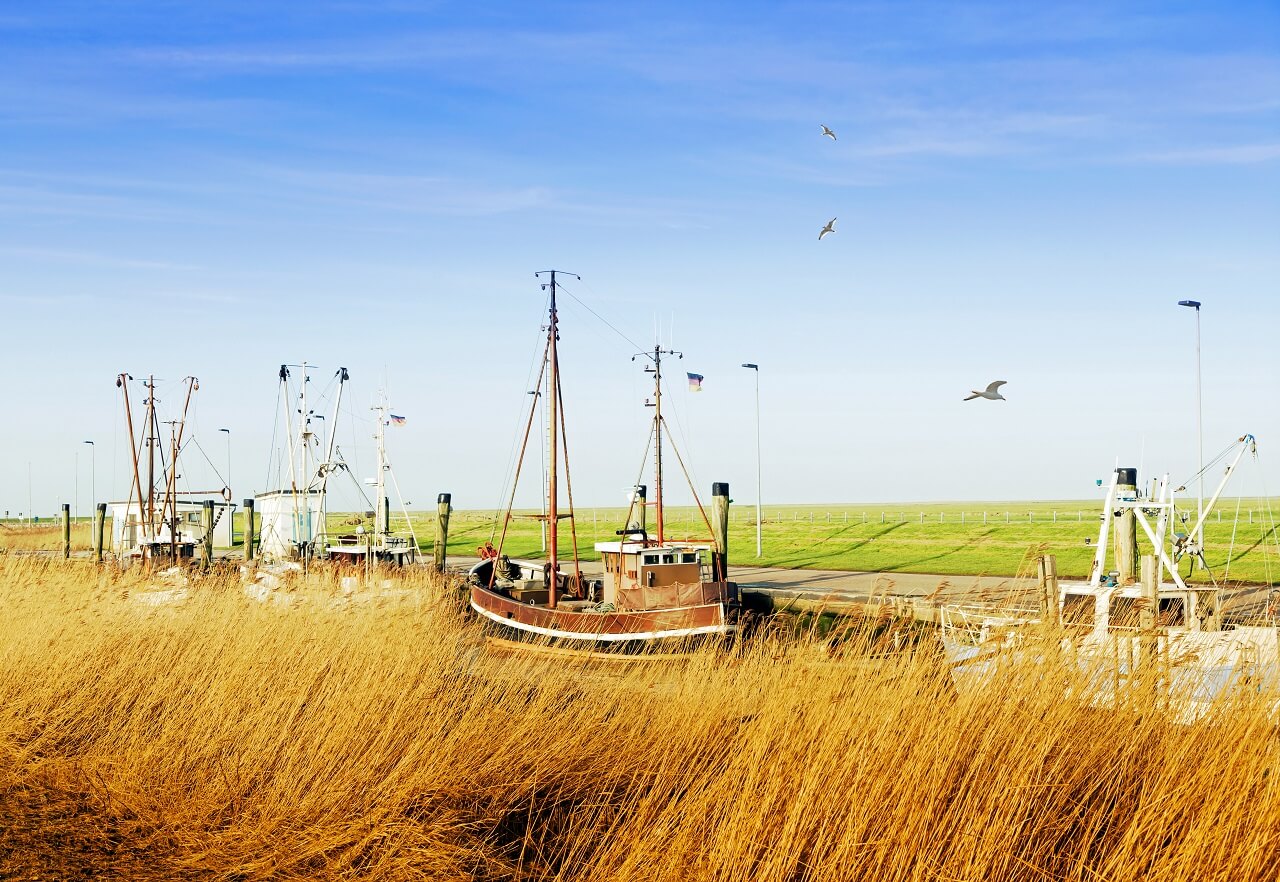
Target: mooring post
99,527
248,530
206,541
66,529
1149,613
1047,569
720,531
1127,528
442,529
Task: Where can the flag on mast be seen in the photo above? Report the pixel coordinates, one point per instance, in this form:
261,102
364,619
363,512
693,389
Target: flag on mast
695,382
396,420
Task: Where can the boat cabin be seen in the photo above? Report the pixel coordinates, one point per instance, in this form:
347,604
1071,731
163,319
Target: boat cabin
641,575
1112,607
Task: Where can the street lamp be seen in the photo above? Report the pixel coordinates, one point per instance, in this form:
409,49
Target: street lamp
93,473
1195,304
228,431
756,368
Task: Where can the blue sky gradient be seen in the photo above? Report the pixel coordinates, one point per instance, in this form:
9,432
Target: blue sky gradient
1024,191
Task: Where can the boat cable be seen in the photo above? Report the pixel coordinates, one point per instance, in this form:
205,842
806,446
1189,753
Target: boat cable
275,430
512,471
568,486
506,521
698,502
632,343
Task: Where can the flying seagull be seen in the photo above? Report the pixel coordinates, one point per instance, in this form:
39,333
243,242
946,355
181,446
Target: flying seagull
829,228
826,131
989,393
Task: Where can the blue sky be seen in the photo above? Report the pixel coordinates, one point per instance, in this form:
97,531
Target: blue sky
1024,191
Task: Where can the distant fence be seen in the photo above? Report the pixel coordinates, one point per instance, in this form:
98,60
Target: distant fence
745,514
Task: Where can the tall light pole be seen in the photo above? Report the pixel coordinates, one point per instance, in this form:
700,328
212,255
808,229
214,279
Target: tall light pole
93,475
228,431
1195,304
756,368
76,517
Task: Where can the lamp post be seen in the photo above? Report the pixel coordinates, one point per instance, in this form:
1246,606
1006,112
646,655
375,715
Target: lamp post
1195,304
756,368
228,431
93,474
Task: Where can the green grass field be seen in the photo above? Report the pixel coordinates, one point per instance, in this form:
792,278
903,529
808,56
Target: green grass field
992,538
951,539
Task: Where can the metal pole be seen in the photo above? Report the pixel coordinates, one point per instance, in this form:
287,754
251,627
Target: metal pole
228,431
1199,539
77,496
93,473
756,368
1199,434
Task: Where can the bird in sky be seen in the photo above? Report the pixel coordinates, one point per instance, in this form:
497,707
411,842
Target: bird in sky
990,393
826,131
829,228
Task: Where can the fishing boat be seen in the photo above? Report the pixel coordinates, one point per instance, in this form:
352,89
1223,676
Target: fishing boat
156,522
294,517
653,588
1117,623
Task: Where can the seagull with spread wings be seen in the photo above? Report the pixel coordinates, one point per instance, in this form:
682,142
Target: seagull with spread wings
990,393
826,131
829,228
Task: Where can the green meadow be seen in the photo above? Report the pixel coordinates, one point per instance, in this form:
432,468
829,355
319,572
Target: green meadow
965,539
952,538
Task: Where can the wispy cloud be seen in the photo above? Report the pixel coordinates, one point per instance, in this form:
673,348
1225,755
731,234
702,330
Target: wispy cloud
89,258
1242,154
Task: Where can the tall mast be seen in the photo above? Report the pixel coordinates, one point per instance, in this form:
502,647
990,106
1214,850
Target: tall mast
379,516
553,454
657,442
553,405
151,456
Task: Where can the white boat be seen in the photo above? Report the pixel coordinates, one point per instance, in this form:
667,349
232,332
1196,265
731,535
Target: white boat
1118,628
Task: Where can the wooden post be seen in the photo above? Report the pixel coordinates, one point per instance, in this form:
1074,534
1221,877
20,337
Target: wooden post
1127,527
206,540
442,529
248,530
99,526
1047,569
720,531
1148,617
66,529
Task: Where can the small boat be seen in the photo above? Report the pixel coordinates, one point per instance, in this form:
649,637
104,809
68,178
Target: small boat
294,519
1119,628
652,588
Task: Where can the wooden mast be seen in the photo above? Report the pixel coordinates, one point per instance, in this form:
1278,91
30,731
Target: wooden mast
553,455
553,403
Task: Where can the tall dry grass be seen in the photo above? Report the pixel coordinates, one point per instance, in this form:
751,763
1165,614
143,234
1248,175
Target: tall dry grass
46,537
321,736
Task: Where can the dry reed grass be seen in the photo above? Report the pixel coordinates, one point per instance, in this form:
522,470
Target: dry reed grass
372,736
32,537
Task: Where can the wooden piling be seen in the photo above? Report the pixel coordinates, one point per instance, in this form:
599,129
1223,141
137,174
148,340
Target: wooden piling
442,529
248,530
99,527
206,543
1149,613
1127,528
720,531
66,529
1047,571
